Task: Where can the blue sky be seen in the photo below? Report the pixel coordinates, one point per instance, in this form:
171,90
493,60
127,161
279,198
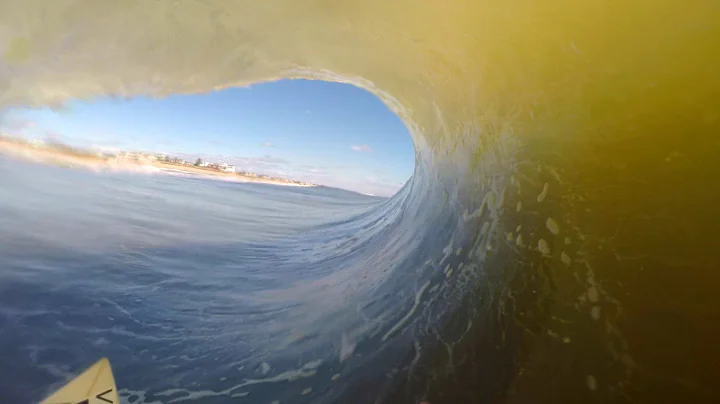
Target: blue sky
331,133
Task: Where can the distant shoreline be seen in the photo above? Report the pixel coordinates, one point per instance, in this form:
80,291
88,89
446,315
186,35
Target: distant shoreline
64,156
238,177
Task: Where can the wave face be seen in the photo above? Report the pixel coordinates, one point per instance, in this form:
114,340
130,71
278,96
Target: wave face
557,241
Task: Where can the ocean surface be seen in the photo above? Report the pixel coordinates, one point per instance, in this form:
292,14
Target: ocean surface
195,288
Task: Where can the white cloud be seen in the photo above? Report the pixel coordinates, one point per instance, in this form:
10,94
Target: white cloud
361,148
267,144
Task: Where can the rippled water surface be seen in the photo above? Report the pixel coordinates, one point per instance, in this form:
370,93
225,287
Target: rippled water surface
190,286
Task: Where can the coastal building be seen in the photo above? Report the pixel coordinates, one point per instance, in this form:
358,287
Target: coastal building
226,168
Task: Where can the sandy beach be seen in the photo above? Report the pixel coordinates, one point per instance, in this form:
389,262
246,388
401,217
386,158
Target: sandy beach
70,158
202,171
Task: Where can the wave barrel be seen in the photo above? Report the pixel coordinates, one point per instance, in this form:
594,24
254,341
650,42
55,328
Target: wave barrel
560,234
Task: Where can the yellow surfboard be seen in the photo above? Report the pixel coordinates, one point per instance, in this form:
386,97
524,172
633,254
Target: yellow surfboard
96,385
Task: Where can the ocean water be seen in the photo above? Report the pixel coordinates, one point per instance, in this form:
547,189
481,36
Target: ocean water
196,288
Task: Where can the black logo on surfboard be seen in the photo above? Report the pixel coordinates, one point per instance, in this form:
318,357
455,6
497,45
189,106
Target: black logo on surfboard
99,396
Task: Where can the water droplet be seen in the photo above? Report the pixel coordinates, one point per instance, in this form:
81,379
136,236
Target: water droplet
552,225
543,247
595,312
518,207
501,200
567,240
306,391
490,198
544,193
519,240
593,294
335,377
591,383
565,259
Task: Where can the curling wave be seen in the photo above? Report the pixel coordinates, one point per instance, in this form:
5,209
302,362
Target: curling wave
556,242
